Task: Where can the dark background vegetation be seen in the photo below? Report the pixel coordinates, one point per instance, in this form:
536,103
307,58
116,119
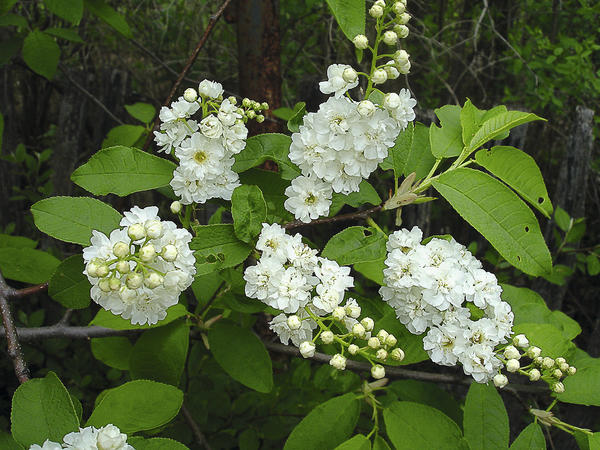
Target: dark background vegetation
536,55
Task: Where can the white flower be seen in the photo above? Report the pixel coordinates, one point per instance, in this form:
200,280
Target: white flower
366,108
261,278
336,83
377,371
211,127
111,438
368,323
228,113
353,310
308,198
48,445
210,89
202,157
280,326
338,361
520,340
294,322
360,41
307,349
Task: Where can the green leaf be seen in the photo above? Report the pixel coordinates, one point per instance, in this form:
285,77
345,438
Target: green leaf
69,286
6,5
412,425
7,240
297,117
446,141
72,219
355,245
113,351
248,440
107,319
357,442
485,418
366,194
249,211
13,20
499,124
41,53
242,355
546,336
520,172
217,247
428,394
283,113
273,189
583,388
27,265
471,119
531,438
65,33
7,442
350,16
144,112
271,146
373,270
499,215
70,10
42,409
123,171
159,354
110,16
380,444
137,406
399,154
9,48
420,159
139,443
126,135
562,219
327,425
593,264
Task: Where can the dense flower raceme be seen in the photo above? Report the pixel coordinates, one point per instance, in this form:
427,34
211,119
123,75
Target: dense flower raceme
140,270
429,285
205,148
342,143
108,437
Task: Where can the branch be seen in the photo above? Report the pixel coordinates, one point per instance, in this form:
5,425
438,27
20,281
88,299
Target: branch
31,290
10,331
350,216
211,23
62,331
200,438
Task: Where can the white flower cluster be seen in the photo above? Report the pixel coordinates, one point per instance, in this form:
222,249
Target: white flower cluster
204,149
428,286
140,269
108,437
342,143
289,276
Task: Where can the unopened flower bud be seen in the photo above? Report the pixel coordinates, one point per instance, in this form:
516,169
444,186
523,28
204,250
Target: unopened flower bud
338,361
512,365
360,41
123,266
374,343
557,373
102,271
134,280
500,380
294,323
379,76
121,249
368,323
339,313
169,252
376,11
307,349
114,283
260,118
147,253
399,7
403,18
353,311
380,3
366,108
176,207
390,38
255,105
391,71
520,340
401,30
397,354
564,366
92,268
327,337
353,349
391,340
349,75
127,295
548,363
534,375
153,280
104,285
264,106
571,370
558,387
136,231
358,330
246,102
382,336
401,56
232,99
391,100
534,352
154,229
190,95
560,361
511,352
377,371
251,114
381,354
538,360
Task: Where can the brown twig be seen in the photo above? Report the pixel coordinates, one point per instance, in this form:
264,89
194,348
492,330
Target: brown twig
10,331
211,24
62,331
31,290
350,216
200,438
